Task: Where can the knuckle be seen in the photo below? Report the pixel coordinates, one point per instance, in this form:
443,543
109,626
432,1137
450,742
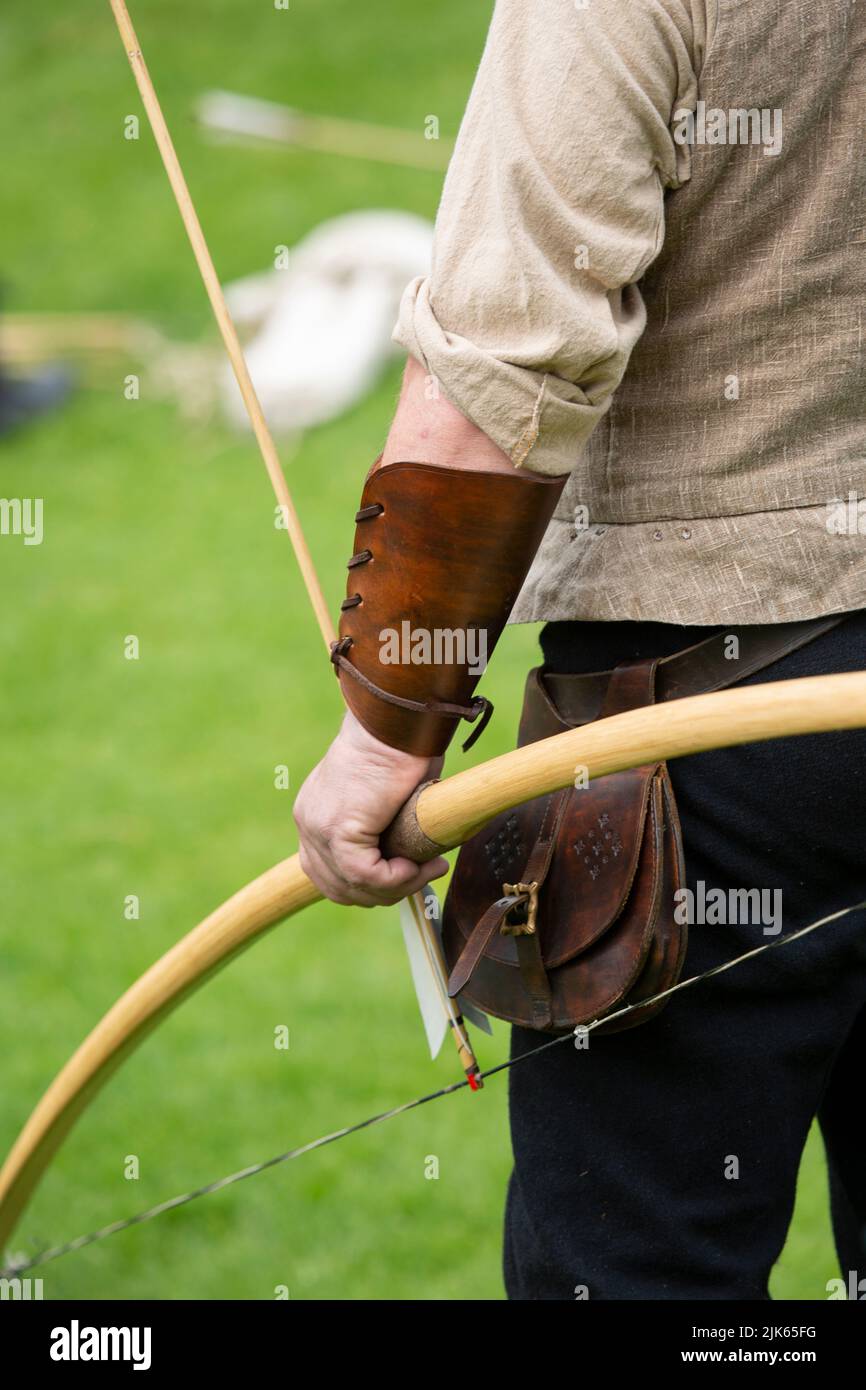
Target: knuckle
325,833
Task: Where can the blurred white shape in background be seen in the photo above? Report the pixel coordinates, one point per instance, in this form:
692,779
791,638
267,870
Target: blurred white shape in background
318,333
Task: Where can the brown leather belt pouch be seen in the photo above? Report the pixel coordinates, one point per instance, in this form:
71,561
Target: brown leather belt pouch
563,909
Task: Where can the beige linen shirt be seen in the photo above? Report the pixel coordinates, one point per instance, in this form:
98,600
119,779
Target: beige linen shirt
700,299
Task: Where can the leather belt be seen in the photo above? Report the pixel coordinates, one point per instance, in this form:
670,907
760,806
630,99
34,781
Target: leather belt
697,670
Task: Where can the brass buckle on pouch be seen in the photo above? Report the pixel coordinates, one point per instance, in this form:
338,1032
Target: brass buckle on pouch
529,891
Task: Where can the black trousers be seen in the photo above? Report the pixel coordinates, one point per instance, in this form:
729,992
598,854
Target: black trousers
662,1162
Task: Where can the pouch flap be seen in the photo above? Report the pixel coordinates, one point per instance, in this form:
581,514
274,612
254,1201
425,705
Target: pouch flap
591,875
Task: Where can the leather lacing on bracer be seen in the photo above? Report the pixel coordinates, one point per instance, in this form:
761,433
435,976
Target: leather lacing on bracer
479,706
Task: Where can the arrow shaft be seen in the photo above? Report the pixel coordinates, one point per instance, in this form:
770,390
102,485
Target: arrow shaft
235,352
225,323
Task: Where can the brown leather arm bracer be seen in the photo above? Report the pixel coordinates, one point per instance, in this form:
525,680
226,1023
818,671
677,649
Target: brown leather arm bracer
440,556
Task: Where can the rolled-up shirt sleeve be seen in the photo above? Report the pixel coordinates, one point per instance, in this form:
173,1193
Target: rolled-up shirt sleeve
552,209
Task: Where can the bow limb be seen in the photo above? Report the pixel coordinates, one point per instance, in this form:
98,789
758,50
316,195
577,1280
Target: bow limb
269,899
446,813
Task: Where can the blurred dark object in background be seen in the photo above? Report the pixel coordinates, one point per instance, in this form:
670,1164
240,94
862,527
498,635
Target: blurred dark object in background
26,398
27,394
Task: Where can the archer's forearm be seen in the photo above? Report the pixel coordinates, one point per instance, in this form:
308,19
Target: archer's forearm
427,427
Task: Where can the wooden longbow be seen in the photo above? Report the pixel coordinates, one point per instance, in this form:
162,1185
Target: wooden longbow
445,813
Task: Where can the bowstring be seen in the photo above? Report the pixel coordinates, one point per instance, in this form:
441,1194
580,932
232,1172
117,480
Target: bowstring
19,1266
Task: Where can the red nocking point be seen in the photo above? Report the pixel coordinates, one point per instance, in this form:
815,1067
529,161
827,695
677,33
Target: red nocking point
475,1082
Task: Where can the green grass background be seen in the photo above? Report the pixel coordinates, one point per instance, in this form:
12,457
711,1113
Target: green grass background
155,777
